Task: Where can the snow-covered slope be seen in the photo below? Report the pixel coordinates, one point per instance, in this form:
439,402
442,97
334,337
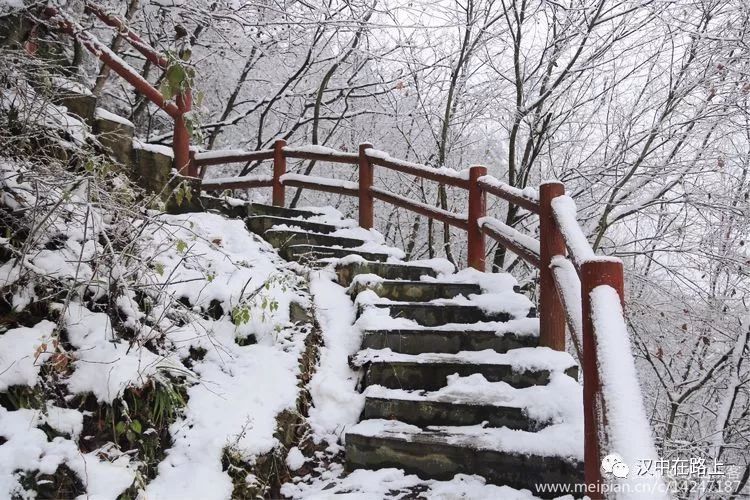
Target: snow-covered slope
138,349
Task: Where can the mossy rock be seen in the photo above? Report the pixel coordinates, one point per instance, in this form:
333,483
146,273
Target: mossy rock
116,136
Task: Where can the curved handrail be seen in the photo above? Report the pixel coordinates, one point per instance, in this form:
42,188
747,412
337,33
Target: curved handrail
183,101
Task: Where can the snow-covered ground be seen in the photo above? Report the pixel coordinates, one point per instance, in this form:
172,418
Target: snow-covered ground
141,300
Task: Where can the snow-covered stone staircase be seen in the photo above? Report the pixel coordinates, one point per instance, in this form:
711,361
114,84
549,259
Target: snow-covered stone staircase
454,381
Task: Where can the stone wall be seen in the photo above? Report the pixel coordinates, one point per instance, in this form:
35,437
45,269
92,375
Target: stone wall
149,166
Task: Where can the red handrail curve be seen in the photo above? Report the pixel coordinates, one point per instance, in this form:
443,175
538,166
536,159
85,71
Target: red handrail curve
177,110
569,270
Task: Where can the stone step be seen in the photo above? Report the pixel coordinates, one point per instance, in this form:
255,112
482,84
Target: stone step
259,224
346,272
243,209
425,412
431,314
313,254
431,376
289,213
418,341
280,238
439,455
417,291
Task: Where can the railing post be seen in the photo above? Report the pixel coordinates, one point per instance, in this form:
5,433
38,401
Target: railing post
602,271
365,187
181,136
551,312
279,169
477,210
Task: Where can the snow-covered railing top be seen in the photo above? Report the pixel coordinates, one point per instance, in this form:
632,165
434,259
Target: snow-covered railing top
577,287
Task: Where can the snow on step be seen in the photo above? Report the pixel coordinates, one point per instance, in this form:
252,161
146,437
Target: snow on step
286,237
430,371
395,483
263,209
349,268
259,224
441,340
503,456
412,290
322,253
437,314
527,358
557,403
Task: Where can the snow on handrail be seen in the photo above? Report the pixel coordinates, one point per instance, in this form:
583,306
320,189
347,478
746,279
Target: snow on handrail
325,184
247,181
321,153
524,198
442,175
421,208
569,290
564,210
627,430
523,245
222,156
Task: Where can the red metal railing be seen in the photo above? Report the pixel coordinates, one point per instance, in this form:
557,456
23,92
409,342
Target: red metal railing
177,110
569,271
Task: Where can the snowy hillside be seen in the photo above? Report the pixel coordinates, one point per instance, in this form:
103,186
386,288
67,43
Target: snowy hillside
138,345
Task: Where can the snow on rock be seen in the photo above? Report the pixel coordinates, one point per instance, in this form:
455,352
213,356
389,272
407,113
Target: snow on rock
336,402
103,114
64,420
11,4
219,254
295,459
28,449
104,365
22,354
242,390
103,479
9,272
153,148
68,85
